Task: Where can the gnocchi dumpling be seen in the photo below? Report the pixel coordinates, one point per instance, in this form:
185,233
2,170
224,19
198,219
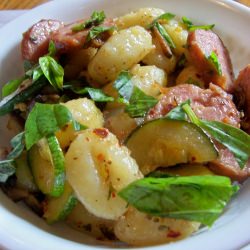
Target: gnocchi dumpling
150,79
120,52
190,75
139,229
97,166
83,111
142,17
88,223
158,58
179,34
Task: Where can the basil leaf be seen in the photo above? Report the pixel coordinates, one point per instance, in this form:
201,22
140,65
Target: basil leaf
236,140
7,168
8,103
96,31
166,16
124,85
17,143
139,103
98,95
52,48
187,21
136,101
11,86
178,113
44,120
52,70
181,62
213,58
36,73
95,19
192,27
27,65
201,27
195,198
165,35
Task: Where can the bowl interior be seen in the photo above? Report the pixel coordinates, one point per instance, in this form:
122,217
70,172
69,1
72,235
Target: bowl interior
19,226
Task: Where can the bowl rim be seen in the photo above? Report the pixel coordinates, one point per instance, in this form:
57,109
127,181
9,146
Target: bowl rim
14,241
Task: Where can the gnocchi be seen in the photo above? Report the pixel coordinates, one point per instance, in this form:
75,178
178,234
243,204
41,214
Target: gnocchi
97,167
83,111
140,229
120,52
142,17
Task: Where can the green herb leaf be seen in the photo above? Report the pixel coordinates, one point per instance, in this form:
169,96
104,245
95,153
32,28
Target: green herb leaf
192,27
178,113
139,103
96,95
187,21
27,65
195,198
44,120
52,48
236,140
96,31
17,143
95,19
213,58
166,16
52,70
136,101
181,62
8,103
165,35
7,168
124,85
37,73
11,86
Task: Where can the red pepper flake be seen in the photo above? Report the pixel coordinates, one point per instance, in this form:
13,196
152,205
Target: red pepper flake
193,158
173,234
101,132
113,194
100,157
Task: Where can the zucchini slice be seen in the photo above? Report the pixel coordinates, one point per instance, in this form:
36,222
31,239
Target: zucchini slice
164,142
23,173
46,161
8,103
58,208
182,170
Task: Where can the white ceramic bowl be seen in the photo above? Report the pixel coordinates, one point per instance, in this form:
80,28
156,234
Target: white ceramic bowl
19,227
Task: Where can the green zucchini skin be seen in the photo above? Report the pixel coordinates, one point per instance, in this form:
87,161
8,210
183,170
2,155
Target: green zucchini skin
23,96
48,170
58,208
166,142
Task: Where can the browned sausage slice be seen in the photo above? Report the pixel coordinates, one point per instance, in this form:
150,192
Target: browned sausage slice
67,40
200,44
212,104
35,40
242,94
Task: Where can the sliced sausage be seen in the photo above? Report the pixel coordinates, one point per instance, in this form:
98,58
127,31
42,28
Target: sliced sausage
242,96
212,104
35,40
67,40
200,44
